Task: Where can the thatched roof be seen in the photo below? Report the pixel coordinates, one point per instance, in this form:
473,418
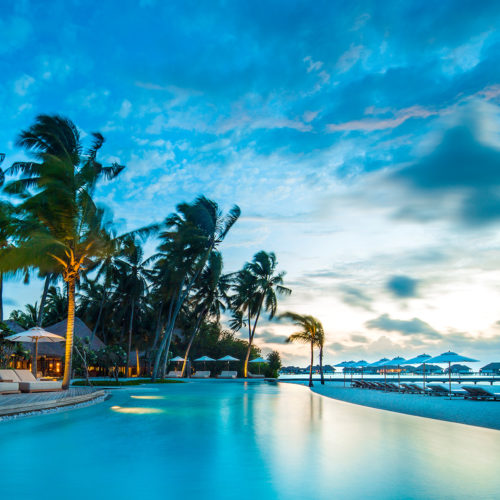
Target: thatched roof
491,366
57,349
15,327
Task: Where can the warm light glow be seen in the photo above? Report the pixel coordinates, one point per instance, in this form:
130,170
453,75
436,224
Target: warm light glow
148,397
136,410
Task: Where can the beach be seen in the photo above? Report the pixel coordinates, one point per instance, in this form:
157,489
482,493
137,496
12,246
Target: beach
462,411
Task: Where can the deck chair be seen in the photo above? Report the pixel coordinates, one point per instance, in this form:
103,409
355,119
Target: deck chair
477,392
174,374
228,374
28,383
9,383
201,374
255,375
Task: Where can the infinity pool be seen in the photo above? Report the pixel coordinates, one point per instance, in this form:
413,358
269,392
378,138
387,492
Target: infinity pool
235,440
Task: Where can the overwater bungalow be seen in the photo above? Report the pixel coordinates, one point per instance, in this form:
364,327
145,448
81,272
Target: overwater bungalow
490,369
459,370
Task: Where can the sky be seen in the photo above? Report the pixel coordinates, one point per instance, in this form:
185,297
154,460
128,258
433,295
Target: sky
361,140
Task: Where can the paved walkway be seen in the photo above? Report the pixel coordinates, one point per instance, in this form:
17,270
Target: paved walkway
478,413
12,404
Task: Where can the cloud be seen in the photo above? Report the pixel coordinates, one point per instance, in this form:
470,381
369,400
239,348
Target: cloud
355,297
22,84
402,287
460,178
125,108
413,326
374,124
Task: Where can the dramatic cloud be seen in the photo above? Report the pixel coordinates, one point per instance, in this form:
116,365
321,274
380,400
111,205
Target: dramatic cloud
361,141
413,326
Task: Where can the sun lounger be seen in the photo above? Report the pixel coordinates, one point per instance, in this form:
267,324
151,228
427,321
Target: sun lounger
477,392
174,374
254,375
392,387
201,374
410,388
441,390
227,374
8,382
28,383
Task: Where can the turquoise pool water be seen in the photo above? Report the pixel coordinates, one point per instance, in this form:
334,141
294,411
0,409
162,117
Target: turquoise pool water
235,440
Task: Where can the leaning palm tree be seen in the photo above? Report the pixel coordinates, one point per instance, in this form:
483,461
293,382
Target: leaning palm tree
192,233
210,297
257,287
56,190
311,332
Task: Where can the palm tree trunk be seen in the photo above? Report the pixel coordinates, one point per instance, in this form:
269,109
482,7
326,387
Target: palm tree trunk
129,345
193,335
69,334
321,365
158,328
311,366
101,307
250,340
43,300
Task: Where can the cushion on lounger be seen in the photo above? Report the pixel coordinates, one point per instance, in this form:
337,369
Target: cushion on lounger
8,375
40,386
25,376
6,387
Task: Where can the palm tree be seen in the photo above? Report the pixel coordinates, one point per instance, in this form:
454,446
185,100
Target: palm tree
191,235
311,332
135,275
257,286
210,298
69,227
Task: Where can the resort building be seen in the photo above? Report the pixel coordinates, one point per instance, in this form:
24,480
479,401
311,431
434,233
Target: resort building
50,354
490,369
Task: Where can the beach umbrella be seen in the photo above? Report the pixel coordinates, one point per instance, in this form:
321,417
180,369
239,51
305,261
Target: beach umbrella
361,364
397,361
345,364
450,357
417,360
259,360
228,359
177,358
35,335
205,359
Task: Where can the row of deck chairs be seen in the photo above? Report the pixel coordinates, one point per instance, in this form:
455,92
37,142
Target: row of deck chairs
432,389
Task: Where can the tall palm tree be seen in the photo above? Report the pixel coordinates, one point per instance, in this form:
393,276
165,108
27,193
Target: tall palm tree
191,235
135,274
311,332
257,287
70,227
211,297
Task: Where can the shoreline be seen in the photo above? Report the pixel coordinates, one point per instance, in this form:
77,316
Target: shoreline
461,411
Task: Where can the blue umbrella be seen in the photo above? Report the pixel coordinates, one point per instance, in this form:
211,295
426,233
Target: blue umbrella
422,358
450,357
394,362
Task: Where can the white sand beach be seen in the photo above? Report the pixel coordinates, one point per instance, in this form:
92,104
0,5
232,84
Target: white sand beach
478,413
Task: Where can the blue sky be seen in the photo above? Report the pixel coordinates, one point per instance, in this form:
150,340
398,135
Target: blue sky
361,140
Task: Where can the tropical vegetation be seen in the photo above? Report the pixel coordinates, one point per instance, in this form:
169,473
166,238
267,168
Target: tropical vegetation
173,301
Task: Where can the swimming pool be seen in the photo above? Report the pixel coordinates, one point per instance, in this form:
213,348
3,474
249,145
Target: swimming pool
222,440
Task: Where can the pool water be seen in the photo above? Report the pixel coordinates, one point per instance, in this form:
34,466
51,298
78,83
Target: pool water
236,440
